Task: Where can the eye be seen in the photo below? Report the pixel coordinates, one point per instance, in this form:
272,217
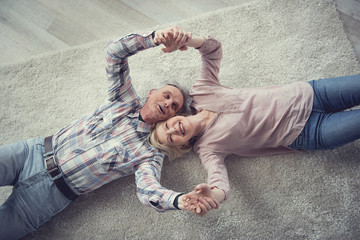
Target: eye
174,106
170,136
166,95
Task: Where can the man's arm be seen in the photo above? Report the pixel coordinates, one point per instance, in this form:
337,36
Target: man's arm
151,193
148,187
175,38
119,50
117,68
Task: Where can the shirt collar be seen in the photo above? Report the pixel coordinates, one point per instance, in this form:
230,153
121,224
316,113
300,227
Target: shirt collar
141,125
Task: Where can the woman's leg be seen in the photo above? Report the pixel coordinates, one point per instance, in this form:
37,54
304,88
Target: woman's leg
329,130
336,94
329,126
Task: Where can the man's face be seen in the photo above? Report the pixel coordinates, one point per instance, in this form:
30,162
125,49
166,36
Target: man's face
162,104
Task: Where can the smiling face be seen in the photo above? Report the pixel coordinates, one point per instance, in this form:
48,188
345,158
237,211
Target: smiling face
162,104
176,131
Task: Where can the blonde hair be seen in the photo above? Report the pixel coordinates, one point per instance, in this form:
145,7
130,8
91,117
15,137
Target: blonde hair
172,152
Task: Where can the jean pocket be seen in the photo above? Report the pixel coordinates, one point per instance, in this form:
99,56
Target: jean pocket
38,201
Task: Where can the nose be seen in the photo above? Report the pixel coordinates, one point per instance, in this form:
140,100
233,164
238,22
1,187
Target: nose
167,103
173,130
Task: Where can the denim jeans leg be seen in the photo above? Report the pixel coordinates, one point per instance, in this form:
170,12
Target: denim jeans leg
329,126
336,94
12,160
12,225
329,130
35,197
339,128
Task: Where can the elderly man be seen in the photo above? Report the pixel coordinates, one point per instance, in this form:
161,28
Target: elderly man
50,173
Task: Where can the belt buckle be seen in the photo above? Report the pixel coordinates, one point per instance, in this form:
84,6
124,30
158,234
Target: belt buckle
55,168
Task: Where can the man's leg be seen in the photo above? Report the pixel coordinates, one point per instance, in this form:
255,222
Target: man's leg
12,160
12,225
35,197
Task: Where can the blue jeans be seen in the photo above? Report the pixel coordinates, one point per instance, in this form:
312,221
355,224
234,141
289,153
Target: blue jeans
329,126
35,198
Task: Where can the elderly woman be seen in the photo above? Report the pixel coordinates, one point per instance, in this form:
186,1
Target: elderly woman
257,121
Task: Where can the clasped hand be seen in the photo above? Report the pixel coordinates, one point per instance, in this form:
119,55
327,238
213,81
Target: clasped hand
172,38
199,201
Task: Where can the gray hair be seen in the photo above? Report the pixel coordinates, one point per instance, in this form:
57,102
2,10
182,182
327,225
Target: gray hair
184,91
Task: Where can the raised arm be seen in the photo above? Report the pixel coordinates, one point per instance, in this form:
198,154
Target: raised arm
119,50
211,55
210,49
175,38
117,67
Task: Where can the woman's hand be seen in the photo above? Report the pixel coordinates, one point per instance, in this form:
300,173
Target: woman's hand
201,200
173,38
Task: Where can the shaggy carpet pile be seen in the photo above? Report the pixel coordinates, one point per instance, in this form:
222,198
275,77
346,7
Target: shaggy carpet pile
307,195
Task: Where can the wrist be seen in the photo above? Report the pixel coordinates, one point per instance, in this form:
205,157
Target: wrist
153,34
178,202
218,194
196,42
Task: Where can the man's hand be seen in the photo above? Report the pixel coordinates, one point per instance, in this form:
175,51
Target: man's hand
199,201
173,38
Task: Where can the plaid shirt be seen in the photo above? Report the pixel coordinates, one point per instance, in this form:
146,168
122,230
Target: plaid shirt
110,143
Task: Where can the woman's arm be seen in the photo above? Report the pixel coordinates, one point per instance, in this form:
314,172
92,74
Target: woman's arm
215,166
175,38
203,199
196,42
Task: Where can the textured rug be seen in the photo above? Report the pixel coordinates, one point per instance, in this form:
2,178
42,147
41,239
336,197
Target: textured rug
295,196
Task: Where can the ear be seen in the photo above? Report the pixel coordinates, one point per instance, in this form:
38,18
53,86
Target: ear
151,92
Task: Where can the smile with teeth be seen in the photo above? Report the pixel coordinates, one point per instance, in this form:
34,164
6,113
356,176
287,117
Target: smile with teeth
182,129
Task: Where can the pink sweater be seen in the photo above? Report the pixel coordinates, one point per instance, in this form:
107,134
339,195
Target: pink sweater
249,121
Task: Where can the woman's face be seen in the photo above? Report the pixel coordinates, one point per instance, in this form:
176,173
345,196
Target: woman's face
177,131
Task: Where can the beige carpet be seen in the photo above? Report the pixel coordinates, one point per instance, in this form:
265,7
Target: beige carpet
296,196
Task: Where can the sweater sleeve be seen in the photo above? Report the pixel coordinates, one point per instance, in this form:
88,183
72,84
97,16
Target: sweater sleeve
211,55
217,173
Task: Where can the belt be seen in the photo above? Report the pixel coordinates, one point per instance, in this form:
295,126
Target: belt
54,170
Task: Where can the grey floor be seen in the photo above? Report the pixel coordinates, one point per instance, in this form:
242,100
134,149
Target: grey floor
32,27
